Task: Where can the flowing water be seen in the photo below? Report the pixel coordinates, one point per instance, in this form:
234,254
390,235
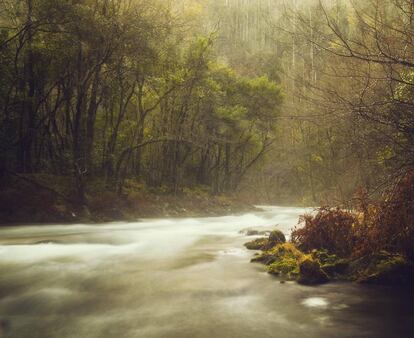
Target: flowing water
176,278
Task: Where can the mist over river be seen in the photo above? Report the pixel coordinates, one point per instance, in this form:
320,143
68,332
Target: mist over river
178,278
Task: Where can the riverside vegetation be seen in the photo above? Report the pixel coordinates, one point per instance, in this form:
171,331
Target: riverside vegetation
373,245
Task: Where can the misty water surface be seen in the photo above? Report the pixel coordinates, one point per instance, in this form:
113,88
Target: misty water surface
176,278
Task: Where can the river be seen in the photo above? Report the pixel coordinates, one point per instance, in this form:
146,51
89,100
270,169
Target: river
178,278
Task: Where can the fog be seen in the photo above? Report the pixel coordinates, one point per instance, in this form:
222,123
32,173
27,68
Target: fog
173,278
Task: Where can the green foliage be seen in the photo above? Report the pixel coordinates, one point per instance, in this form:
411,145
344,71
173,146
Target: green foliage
120,91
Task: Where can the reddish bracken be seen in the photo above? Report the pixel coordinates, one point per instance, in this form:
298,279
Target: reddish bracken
387,225
331,229
391,228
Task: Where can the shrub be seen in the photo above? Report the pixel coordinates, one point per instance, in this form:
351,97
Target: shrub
391,227
386,225
330,229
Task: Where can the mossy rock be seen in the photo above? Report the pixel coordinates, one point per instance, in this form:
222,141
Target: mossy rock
331,264
281,260
276,237
257,244
310,273
265,258
288,261
287,249
277,253
385,269
287,266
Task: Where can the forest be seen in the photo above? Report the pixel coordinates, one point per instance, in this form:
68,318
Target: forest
286,102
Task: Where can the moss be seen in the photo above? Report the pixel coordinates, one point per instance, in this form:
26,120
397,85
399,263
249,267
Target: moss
265,258
281,259
331,264
287,266
287,249
288,261
257,244
324,257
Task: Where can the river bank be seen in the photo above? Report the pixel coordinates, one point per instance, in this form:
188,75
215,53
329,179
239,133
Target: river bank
286,261
47,199
374,246
371,243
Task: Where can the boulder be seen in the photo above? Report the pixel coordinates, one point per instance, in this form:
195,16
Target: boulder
257,244
310,273
276,237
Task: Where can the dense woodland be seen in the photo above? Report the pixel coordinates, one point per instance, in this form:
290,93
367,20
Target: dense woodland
281,101
125,89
